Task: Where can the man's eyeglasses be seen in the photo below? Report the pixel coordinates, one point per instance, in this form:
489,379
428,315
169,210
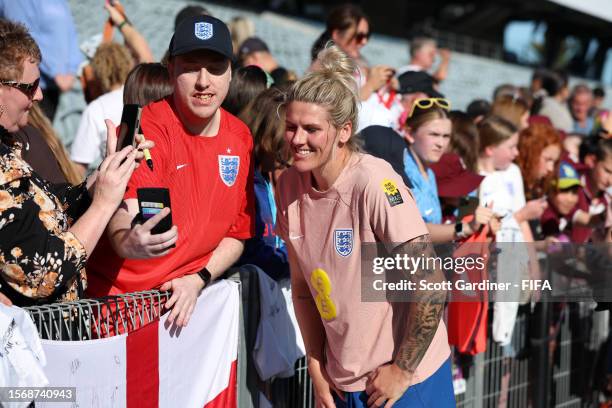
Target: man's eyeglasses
426,103
361,37
28,89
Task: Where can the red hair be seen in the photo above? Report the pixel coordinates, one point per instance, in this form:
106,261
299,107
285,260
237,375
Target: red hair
532,141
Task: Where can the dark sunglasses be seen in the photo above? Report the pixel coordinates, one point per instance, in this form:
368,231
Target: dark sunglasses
360,37
28,89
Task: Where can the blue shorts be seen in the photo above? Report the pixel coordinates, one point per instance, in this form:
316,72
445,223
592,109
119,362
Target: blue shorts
436,391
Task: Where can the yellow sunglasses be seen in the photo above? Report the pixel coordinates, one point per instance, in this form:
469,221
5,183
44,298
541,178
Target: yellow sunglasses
426,103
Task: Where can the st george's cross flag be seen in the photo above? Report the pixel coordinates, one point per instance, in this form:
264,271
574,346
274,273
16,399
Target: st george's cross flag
157,365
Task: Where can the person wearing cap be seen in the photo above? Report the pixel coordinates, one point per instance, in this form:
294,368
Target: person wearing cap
254,51
415,85
203,157
563,211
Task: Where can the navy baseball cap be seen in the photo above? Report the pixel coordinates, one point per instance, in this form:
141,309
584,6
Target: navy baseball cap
418,81
201,33
251,45
568,177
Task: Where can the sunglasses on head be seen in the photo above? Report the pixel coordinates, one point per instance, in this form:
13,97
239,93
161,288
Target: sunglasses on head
28,89
426,103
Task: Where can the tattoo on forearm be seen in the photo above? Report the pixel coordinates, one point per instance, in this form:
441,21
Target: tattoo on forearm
425,310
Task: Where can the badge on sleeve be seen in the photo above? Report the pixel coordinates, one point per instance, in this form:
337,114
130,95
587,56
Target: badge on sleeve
343,241
392,192
228,169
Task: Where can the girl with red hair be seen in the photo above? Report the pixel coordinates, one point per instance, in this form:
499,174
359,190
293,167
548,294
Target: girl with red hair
539,149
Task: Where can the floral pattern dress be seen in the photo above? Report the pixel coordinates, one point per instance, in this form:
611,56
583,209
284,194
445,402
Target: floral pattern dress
40,260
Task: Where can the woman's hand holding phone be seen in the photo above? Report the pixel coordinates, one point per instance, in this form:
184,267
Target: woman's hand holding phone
110,181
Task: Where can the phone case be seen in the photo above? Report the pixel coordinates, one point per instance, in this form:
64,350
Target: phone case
150,202
129,125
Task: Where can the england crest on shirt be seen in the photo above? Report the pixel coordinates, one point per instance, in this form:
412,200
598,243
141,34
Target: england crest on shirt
228,169
203,31
343,241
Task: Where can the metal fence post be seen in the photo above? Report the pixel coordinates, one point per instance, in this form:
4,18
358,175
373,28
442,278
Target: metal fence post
479,372
248,380
542,372
242,394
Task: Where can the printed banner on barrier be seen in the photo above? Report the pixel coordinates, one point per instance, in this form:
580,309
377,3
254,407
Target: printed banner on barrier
157,365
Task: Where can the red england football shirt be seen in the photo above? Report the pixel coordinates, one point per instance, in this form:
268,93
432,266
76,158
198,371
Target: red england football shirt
211,192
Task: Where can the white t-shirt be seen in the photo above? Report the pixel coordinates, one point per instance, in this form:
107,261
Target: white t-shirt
89,144
373,112
505,189
408,68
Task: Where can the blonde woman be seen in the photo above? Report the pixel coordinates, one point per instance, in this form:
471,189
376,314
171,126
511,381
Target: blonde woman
333,199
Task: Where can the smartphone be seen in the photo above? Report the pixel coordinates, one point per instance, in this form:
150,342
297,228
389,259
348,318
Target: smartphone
150,202
130,124
467,206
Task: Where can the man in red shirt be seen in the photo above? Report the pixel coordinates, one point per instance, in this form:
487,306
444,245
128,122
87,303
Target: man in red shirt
202,155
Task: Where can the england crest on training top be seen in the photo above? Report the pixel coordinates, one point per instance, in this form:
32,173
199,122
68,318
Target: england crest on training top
343,241
203,31
228,169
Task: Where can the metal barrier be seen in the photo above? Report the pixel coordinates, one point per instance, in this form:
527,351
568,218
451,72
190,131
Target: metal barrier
504,377
89,319
500,377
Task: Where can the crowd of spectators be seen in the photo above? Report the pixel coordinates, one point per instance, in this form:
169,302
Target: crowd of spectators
233,136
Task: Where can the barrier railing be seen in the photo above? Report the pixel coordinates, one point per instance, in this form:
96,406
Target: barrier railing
502,376
89,319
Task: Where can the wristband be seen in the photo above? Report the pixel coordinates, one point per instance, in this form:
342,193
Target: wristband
205,275
120,26
460,233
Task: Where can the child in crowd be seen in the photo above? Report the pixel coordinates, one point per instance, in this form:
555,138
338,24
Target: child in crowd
266,249
563,212
595,195
428,133
539,151
464,139
502,189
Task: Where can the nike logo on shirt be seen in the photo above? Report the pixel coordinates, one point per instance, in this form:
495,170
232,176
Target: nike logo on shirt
180,166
